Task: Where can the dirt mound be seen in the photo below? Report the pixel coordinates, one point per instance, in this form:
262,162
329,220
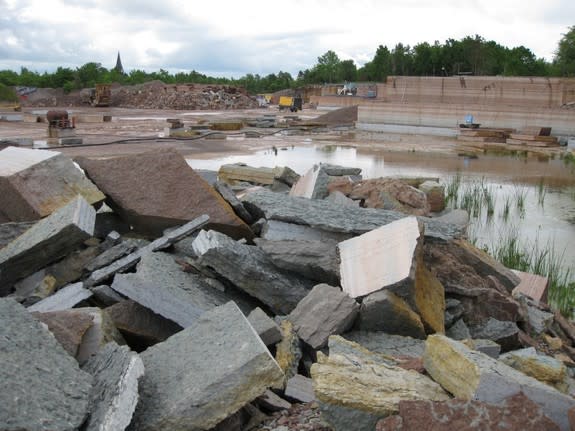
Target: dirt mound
153,95
346,115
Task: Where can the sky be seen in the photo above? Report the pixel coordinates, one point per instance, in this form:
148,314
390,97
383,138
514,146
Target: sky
233,38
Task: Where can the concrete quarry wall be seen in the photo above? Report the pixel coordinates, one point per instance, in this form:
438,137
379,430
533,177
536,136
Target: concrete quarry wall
444,102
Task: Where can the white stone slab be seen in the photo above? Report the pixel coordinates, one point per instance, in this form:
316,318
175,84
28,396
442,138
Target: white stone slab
14,159
305,186
379,258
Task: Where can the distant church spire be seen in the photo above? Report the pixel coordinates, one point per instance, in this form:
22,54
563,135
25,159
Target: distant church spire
119,67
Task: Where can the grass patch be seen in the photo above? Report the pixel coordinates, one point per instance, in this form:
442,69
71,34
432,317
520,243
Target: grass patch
541,192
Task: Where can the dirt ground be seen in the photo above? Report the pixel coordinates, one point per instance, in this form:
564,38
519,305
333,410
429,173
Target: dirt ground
138,130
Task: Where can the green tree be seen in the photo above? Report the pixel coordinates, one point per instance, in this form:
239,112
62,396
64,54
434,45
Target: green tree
564,60
348,71
90,74
327,66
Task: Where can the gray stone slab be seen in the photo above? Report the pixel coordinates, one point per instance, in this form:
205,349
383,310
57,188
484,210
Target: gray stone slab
42,386
325,311
47,241
114,395
324,215
278,231
160,285
503,333
11,231
201,375
393,345
272,402
300,388
459,331
315,260
251,270
268,330
66,298
488,347
130,260
112,254
105,295
228,194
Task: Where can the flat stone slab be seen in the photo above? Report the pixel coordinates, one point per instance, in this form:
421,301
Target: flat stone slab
469,374
35,183
160,285
64,299
268,330
251,270
325,215
279,231
114,396
380,258
388,344
43,387
201,375
156,190
325,311
532,285
47,241
300,388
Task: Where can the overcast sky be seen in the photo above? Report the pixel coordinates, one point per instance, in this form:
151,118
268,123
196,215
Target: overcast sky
232,38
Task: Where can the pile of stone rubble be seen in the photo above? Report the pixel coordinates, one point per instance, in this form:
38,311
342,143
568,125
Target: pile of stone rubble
140,294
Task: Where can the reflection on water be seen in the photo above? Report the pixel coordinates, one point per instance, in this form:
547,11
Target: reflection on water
551,221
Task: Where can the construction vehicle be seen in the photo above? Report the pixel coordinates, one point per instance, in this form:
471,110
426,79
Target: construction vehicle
349,89
293,103
101,95
10,106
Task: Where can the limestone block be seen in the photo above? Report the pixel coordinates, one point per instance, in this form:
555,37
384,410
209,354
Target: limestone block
544,368
114,395
384,311
324,215
138,322
35,183
251,270
47,241
300,388
130,260
68,326
101,332
203,374
468,374
42,385
516,413
158,189
354,391
160,285
325,311
64,299
381,258
315,260
267,329
237,172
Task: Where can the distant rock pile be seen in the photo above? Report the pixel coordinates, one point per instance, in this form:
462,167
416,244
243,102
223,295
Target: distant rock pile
139,295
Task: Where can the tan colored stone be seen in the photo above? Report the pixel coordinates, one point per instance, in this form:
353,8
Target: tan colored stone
554,343
288,350
429,298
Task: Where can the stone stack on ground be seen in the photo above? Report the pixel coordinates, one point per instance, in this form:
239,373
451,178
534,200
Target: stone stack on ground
340,309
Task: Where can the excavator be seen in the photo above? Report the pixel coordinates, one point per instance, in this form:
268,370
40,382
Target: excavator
101,95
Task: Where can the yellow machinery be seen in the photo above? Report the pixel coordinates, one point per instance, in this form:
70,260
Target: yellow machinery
101,95
294,104
10,106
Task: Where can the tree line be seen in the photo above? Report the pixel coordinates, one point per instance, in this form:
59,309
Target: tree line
469,55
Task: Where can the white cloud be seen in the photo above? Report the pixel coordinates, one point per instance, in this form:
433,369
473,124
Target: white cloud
258,36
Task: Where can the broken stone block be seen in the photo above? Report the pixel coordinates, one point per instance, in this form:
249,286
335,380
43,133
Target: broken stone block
35,183
101,332
272,402
11,231
288,351
203,374
160,285
488,347
42,385
47,241
468,374
114,253
275,230
532,285
157,190
35,287
340,171
381,258
544,368
286,175
105,295
459,331
267,329
506,334
228,194
324,215
68,326
237,172
251,270
325,311
453,311
64,299
457,217
354,392
300,388
140,324
315,260
338,198
515,413
130,260
114,395
388,344
384,311
435,194
312,185
70,269
341,346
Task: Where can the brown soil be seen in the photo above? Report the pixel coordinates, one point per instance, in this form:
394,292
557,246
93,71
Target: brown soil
340,116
